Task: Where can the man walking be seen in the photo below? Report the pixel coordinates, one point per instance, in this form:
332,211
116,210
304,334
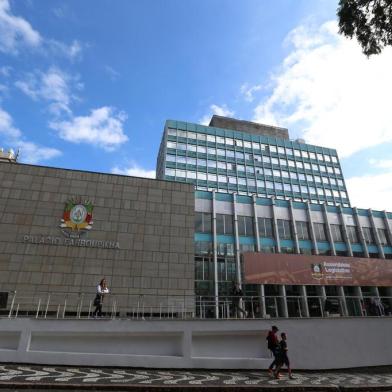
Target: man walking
273,346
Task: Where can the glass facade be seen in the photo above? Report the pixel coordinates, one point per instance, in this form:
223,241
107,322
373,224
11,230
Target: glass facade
232,161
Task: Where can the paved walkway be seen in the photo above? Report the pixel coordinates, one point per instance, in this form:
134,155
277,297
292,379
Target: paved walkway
14,376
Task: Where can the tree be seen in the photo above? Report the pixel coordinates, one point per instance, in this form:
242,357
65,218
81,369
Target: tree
370,21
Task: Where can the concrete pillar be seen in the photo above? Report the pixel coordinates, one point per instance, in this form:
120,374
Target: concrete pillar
256,223
387,228
359,299
360,232
328,228
375,233
311,229
263,311
283,300
343,300
275,226
323,296
304,302
345,236
237,242
294,228
215,255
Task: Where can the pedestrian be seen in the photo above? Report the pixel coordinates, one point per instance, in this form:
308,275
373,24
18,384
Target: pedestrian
102,289
273,345
283,358
237,294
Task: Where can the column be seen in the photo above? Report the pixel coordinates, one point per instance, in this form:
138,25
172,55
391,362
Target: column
263,312
343,223
343,300
323,296
328,227
237,242
304,302
311,229
215,255
360,232
256,223
275,226
387,228
283,300
358,294
375,233
294,228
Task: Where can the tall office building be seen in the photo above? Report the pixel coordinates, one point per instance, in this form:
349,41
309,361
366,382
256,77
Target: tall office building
250,159
258,193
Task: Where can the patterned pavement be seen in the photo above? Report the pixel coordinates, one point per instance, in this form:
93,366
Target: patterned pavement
15,376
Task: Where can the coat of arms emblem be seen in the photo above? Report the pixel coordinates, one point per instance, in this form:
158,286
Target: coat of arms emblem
77,218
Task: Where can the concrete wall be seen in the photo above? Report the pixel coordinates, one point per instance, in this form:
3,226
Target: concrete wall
248,127
237,344
152,222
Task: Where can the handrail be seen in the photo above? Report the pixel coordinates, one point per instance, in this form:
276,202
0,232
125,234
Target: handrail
140,307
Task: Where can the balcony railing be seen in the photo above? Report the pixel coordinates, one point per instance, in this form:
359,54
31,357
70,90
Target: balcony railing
81,306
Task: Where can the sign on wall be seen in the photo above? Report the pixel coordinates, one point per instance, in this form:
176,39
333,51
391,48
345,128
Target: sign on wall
267,268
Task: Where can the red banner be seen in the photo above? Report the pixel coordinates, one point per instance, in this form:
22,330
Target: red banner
267,268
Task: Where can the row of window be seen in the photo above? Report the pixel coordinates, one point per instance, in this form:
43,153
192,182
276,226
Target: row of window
192,136
214,153
213,163
259,172
300,198
277,186
224,225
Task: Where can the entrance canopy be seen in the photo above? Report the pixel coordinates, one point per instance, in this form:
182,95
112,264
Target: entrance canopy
290,269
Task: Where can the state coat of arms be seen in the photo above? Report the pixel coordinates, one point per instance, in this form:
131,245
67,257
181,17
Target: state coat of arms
77,218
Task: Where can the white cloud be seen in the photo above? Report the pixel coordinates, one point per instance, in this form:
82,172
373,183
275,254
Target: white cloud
5,71
381,163
7,128
248,91
219,111
29,152
71,52
15,31
53,86
330,91
134,171
113,74
373,191
103,128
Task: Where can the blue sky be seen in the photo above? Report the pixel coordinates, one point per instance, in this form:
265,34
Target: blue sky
89,84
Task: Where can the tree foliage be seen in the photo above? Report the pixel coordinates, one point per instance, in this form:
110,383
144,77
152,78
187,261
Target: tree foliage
370,21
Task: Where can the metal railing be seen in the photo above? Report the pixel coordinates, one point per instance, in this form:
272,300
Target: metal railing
142,307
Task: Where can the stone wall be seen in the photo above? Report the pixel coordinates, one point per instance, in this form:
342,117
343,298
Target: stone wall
141,238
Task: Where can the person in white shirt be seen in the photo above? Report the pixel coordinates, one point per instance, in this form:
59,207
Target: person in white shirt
102,289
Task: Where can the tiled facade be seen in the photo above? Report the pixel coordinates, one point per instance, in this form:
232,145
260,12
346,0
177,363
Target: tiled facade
141,238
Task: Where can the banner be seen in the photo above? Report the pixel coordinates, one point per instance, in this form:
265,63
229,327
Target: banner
269,268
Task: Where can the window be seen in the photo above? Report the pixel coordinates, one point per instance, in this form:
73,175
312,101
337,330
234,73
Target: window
256,146
297,153
352,234
293,175
247,144
238,143
300,165
170,158
212,177
319,232
285,174
278,186
289,151
172,132
312,155
275,161
266,159
265,227
304,189
224,224
295,188
241,168
170,172
284,229
382,235
201,162
280,150
210,138
305,154
287,187
307,166
245,225
283,162
247,248
203,222
336,231
239,155
171,144
301,177
337,170
273,149
203,248
320,157
211,164
250,170
191,174
334,159
302,230
230,142
251,182
180,173
368,235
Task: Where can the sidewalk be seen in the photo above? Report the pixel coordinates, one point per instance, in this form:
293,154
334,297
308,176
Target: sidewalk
15,376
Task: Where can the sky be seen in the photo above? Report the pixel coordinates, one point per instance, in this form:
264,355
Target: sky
89,84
